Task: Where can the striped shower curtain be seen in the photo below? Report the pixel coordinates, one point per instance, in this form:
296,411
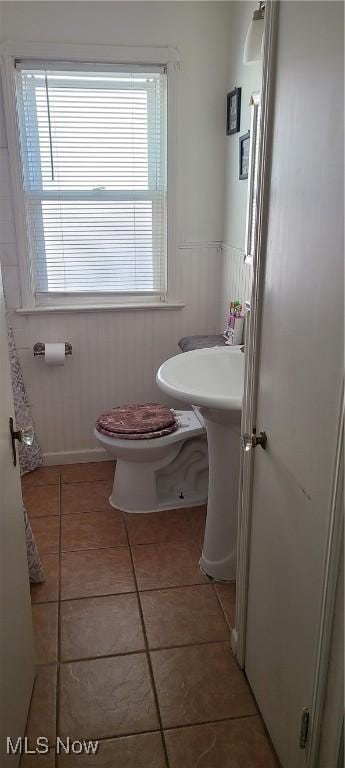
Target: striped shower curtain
30,456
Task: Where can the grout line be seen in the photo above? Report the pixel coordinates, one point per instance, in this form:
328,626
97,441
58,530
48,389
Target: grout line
71,514
100,739
176,586
29,711
89,511
222,607
110,546
142,650
89,549
96,511
105,481
212,722
208,584
86,482
188,538
118,594
34,486
148,657
103,594
129,734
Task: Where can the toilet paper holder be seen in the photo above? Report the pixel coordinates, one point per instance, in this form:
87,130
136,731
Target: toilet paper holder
40,348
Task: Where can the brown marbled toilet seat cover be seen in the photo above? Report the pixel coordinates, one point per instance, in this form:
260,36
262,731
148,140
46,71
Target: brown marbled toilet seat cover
137,436
137,421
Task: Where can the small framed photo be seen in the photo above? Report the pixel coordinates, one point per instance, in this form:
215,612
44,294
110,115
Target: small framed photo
233,111
244,147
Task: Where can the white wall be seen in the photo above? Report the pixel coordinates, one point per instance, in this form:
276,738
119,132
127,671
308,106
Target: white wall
236,276
248,77
116,354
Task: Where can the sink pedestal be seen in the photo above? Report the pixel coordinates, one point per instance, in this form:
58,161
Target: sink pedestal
212,379
218,558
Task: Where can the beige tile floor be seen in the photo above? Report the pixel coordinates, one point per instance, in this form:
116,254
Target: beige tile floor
132,641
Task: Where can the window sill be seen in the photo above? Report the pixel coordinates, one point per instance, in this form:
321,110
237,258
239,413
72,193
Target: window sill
65,308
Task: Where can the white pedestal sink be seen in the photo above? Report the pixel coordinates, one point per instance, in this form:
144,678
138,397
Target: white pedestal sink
213,380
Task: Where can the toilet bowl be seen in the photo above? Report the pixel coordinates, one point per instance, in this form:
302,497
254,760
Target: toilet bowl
159,472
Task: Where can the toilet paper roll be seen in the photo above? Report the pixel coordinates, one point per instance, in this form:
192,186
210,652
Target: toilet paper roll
54,353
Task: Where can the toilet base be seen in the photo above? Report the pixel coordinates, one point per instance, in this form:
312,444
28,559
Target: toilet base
163,506
178,480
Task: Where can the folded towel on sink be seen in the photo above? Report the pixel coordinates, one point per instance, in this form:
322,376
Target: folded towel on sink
187,343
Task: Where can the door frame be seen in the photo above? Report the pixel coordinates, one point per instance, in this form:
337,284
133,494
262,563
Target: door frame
332,564
252,360
253,326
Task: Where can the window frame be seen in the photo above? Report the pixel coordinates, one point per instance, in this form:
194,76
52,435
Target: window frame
91,55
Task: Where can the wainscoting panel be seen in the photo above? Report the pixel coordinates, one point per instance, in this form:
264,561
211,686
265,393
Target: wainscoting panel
236,279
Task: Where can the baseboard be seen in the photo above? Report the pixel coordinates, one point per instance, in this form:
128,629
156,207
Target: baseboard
75,457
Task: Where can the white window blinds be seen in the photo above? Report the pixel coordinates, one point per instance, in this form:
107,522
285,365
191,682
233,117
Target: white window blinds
93,146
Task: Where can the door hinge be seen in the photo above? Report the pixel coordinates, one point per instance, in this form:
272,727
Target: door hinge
303,734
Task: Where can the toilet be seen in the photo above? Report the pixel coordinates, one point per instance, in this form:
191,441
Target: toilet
161,456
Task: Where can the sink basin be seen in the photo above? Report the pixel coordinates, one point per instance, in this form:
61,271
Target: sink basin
208,377
213,380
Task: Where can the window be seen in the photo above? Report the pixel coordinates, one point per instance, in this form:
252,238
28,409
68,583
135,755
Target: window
93,146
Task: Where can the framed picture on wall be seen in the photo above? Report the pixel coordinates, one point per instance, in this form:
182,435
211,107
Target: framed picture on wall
244,146
233,111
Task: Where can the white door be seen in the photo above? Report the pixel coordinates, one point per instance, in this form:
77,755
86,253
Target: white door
300,370
16,640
